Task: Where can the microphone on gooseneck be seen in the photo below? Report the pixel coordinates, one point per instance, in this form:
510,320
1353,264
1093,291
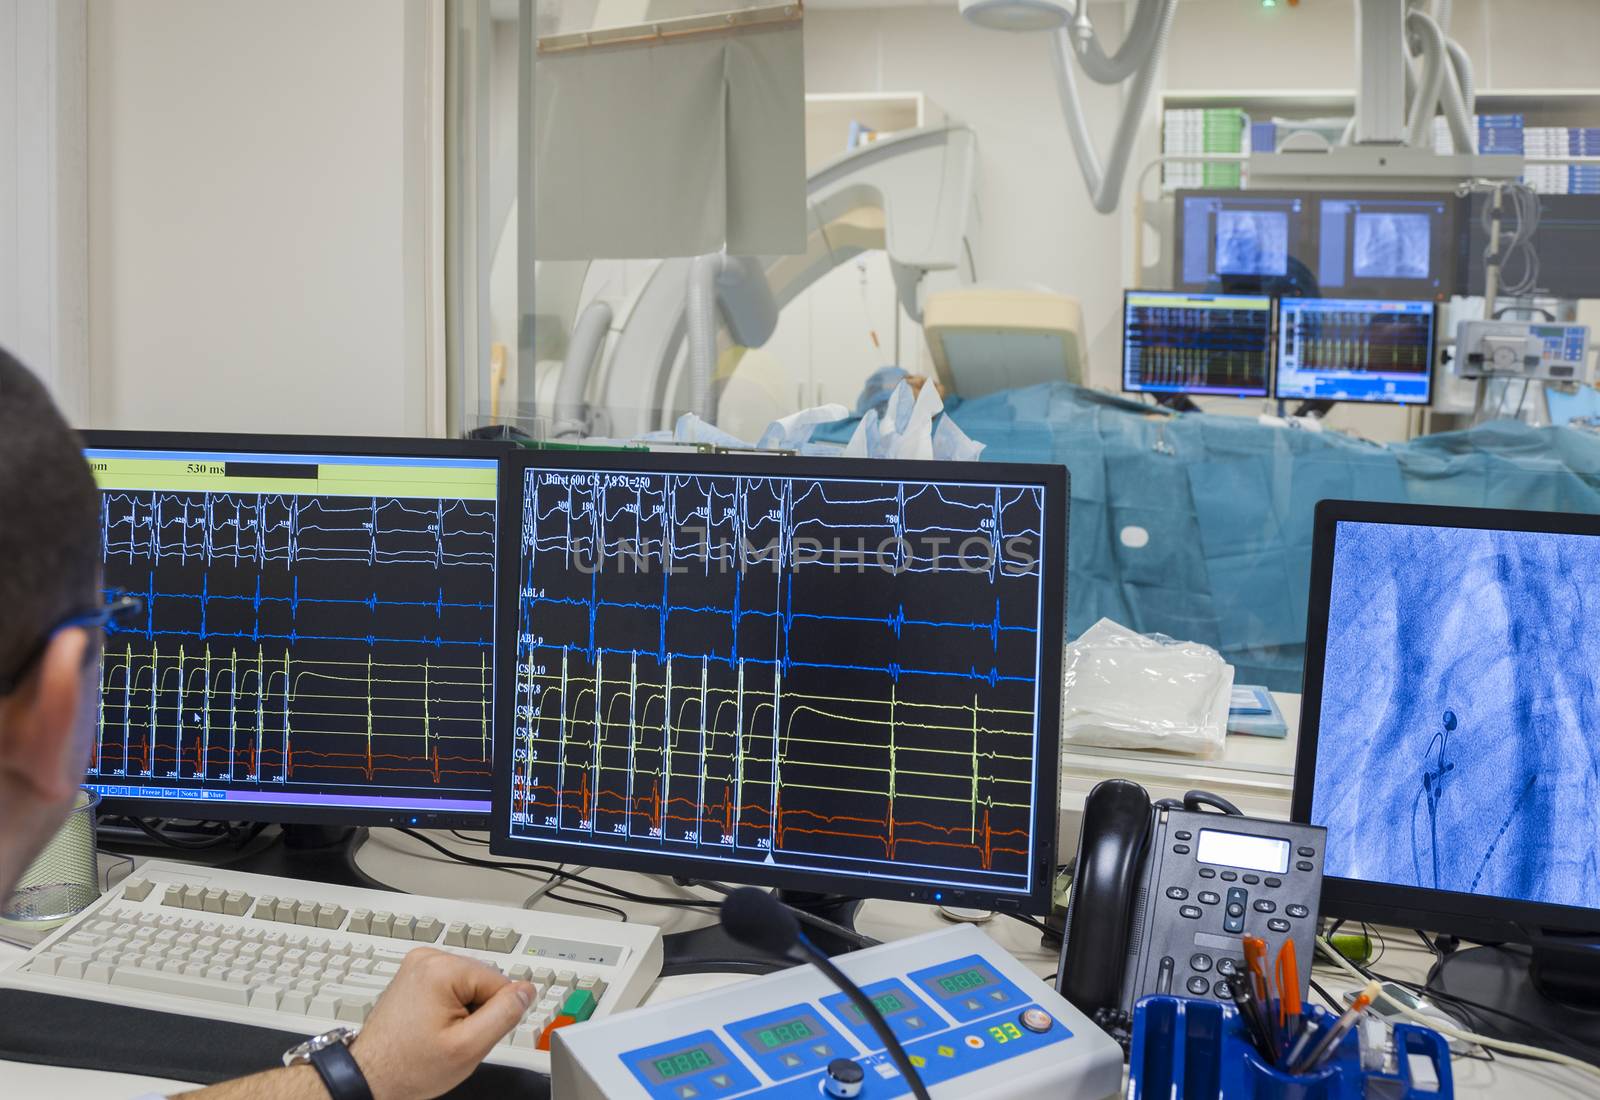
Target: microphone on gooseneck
757,919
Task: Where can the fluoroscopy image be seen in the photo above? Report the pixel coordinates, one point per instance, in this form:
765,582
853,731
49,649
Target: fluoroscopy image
1461,712
1391,246
1252,242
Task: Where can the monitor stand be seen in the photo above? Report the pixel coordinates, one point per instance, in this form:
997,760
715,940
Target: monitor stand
1316,409
1555,984
1177,402
710,950
314,853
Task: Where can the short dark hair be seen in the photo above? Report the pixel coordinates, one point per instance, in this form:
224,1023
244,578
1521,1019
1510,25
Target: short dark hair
49,516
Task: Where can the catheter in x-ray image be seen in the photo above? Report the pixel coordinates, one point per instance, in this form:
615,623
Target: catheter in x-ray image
1252,242
1391,246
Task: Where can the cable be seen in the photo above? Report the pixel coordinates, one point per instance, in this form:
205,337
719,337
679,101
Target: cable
1466,1006
467,838
600,905
1032,922
565,876
227,836
1457,1033
850,935
1326,996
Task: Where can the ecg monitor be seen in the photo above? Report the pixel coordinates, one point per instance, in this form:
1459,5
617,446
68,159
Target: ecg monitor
1448,734
829,675
1218,344
317,637
1351,349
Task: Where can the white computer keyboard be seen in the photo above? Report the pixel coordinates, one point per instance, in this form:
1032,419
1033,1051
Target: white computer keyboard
304,956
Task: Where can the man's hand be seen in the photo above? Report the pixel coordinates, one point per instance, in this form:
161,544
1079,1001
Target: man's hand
440,1015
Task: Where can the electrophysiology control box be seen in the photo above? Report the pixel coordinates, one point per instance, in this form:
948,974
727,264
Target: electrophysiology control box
1522,349
973,1020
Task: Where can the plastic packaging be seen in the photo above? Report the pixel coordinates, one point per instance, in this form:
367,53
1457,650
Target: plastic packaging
1126,690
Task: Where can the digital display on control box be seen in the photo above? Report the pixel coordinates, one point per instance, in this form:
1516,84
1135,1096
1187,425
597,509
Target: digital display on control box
783,1034
963,981
679,1063
1253,853
887,1004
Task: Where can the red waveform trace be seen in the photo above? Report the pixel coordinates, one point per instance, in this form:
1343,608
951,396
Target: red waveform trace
887,830
249,760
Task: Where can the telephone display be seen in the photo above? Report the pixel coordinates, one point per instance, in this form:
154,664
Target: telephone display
1253,853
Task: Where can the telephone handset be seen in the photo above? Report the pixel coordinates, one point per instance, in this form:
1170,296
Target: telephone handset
1164,891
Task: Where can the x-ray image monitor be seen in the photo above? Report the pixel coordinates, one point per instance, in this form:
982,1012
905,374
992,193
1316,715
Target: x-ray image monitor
1385,245
1240,240
1448,738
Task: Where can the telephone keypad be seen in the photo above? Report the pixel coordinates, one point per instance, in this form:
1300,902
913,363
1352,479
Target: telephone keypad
1177,893
1298,911
1227,967
1304,851
1278,924
1209,897
1230,876
1305,865
1252,880
1181,849
1190,911
1183,834
1265,906
1199,986
1274,882
1207,872
1201,963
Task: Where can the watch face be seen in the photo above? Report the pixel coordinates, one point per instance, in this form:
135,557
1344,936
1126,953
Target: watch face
300,1055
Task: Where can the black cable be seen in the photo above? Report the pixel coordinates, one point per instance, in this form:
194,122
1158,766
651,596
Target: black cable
227,836
465,839
849,935
1576,1047
1326,996
1032,922
600,905
565,876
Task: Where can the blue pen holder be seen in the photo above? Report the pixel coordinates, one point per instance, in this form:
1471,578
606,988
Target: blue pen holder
1198,1050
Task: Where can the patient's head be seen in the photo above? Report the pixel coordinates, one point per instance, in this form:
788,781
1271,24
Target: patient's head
49,572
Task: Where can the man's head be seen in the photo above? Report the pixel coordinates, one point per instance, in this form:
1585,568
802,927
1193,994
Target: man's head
49,572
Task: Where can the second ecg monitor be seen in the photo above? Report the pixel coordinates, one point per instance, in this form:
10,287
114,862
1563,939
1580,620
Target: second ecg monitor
783,671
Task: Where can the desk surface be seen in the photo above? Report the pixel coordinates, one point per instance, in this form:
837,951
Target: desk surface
401,862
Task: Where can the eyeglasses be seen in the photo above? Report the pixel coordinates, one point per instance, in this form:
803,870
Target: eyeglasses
120,609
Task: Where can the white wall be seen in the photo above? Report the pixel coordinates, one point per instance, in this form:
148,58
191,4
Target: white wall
43,251
254,215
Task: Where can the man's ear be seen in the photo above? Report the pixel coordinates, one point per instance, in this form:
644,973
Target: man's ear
39,742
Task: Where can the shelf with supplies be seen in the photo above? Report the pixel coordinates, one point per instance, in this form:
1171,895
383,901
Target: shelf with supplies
1257,773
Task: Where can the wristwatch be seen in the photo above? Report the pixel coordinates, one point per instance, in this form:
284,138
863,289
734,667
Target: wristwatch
329,1054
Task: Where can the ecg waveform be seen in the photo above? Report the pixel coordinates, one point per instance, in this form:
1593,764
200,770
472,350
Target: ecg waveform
819,673
322,644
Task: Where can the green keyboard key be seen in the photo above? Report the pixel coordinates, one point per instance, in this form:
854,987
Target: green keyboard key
580,1005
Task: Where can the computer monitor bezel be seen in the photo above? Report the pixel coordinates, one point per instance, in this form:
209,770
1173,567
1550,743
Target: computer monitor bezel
1446,251
1473,916
1053,579
1281,330
1302,243
1270,374
355,446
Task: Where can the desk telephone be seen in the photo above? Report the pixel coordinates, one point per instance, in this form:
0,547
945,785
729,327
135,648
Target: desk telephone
1163,892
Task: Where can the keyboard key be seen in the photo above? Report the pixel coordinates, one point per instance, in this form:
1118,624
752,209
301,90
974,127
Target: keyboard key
212,900
194,897
284,913
361,921
382,924
455,934
137,889
478,936
305,914
330,916
182,985
173,896
236,903
427,930
294,1000
503,939
266,996
580,1005
401,928
544,1036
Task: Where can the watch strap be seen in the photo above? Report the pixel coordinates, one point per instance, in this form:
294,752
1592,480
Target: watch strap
339,1072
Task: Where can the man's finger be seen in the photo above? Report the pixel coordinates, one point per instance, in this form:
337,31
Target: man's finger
491,1020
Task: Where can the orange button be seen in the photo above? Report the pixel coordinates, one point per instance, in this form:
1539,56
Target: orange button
559,1021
